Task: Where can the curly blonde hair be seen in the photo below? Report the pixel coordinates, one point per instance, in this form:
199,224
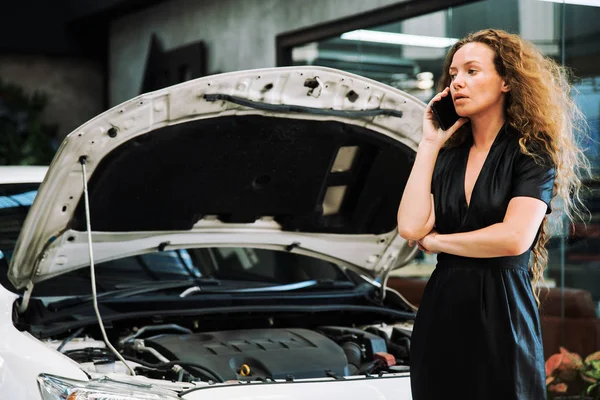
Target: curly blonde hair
540,107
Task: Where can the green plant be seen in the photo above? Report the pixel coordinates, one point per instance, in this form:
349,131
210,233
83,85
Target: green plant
24,138
568,374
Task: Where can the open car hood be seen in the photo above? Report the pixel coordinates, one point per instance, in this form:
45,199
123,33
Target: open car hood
303,159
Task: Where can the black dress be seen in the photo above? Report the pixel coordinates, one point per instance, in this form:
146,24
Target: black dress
477,331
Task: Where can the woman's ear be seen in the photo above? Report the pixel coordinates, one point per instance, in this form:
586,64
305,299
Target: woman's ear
505,87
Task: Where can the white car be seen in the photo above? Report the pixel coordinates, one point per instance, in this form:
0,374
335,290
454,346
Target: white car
242,227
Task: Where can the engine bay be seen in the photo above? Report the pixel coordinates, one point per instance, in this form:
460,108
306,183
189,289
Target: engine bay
175,353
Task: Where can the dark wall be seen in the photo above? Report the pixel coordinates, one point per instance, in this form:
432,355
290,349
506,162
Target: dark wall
60,47
43,48
35,26
84,9
61,27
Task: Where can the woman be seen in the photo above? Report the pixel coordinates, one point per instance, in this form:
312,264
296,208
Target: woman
478,196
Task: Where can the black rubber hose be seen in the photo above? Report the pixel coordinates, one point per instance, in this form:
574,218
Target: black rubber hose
67,340
211,374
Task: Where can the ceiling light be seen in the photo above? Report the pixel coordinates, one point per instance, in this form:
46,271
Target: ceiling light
593,3
425,76
365,35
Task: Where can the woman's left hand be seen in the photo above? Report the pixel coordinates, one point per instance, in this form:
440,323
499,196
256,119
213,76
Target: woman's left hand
429,243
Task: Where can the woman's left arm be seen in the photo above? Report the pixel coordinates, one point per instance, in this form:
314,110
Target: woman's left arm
511,237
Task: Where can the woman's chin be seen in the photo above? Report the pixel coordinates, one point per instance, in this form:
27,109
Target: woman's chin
463,112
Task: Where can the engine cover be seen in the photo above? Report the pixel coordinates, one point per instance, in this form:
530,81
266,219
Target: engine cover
275,353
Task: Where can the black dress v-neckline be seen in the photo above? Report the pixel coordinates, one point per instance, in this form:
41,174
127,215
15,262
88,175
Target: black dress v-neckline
466,150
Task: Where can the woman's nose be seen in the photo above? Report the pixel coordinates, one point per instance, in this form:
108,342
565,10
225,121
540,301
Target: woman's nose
458,82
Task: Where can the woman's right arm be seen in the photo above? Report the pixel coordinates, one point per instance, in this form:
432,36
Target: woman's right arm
416,216
416,213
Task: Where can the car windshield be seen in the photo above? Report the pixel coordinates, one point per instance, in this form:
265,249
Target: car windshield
222,263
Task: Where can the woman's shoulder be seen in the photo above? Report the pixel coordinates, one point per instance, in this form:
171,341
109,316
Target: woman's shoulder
533,151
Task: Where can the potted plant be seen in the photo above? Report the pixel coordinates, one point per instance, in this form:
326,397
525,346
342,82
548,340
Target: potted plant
568,376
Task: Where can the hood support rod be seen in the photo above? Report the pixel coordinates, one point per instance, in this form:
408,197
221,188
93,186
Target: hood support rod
393,262
82,160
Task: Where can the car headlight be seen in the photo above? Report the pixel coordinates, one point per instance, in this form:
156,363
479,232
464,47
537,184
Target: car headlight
55,388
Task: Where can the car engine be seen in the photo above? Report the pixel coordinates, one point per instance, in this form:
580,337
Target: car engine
175,353
238,355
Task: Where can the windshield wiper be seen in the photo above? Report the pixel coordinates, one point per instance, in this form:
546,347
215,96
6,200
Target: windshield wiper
194,286
310,284
135,289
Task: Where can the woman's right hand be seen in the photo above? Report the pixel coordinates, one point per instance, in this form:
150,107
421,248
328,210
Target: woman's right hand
432,135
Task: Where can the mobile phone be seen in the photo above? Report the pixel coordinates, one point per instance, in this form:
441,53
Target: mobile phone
444,112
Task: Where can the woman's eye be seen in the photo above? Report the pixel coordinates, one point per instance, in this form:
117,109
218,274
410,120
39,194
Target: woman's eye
452,76
472,71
